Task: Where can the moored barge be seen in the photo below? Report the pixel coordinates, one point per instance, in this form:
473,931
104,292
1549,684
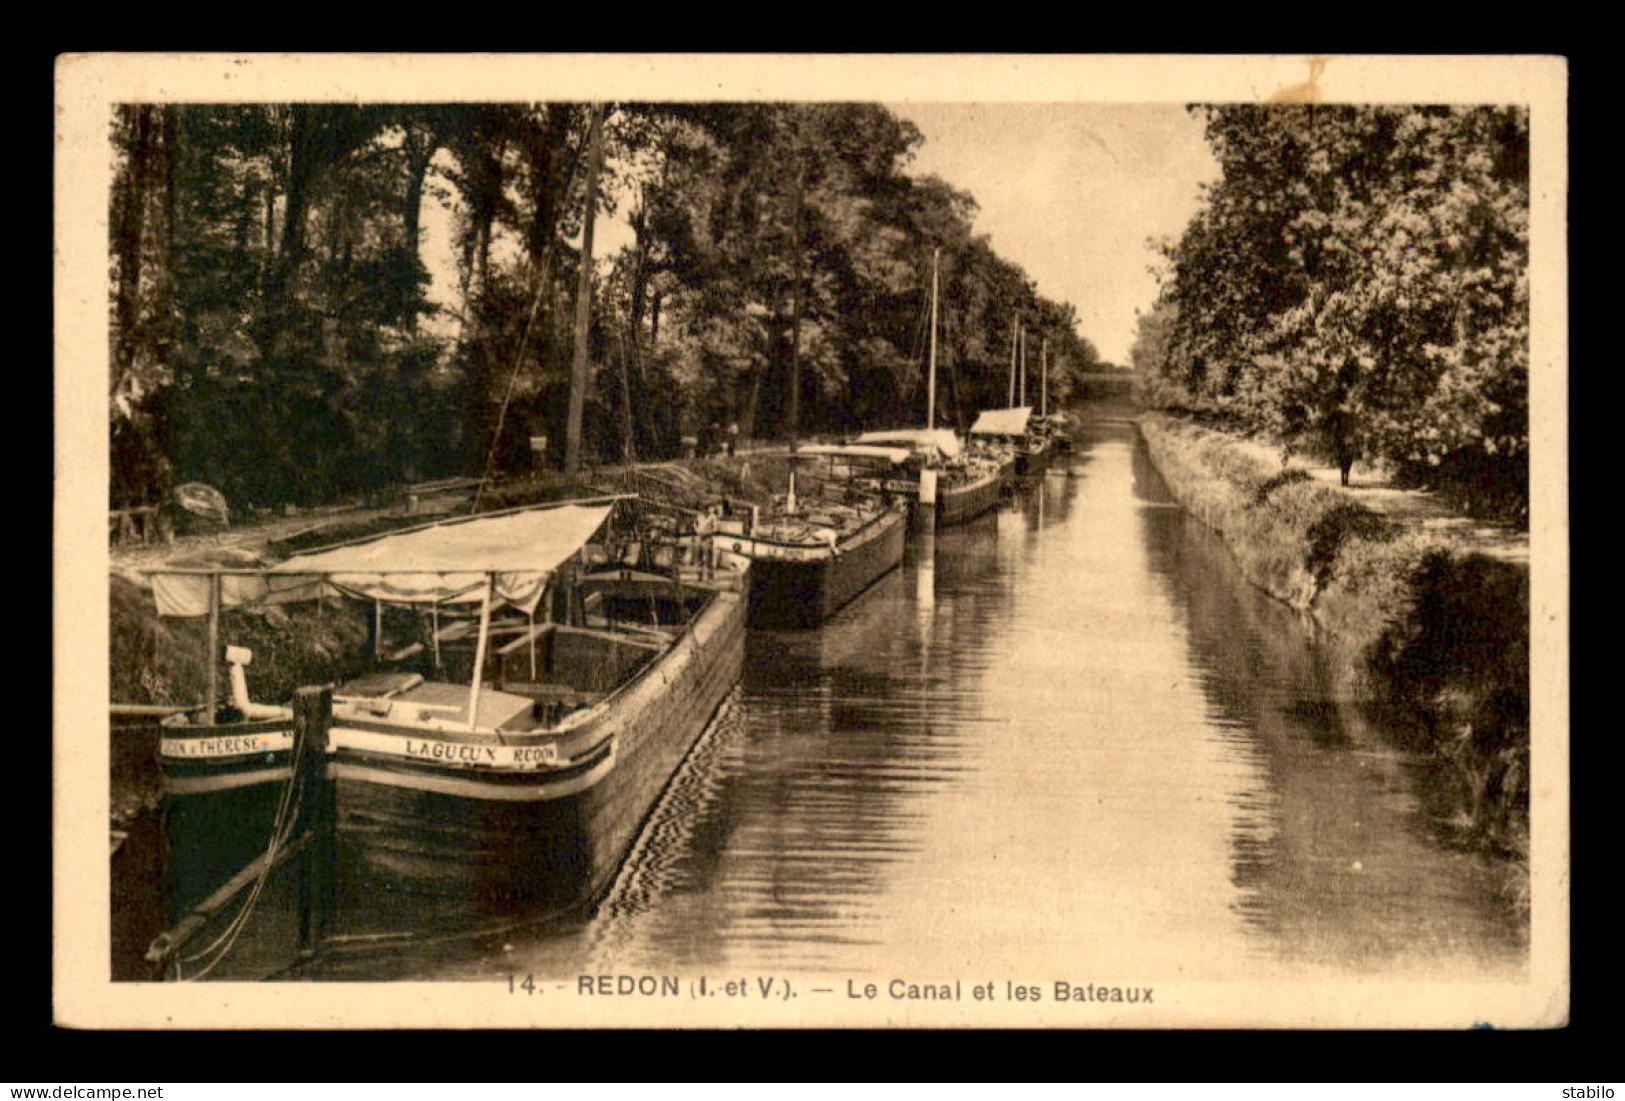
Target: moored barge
810,558
1017,430
954,482
595,654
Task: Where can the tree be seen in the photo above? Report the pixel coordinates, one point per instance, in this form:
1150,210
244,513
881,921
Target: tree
579,378
1356,282
282,241
141,221
269,283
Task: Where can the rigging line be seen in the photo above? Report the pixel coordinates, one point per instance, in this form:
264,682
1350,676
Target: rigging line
229,936
917,353
524,336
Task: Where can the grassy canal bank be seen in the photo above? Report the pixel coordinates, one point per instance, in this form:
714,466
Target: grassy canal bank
1413,620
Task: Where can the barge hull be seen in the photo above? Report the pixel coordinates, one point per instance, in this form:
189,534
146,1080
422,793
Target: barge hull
537,857
962,503
1033,462
801,595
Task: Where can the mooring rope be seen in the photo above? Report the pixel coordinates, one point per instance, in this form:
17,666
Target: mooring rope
289,806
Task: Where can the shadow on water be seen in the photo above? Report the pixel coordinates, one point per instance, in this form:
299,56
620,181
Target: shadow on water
777,837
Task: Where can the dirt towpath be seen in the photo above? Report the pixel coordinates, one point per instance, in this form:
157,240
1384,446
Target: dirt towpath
1413,508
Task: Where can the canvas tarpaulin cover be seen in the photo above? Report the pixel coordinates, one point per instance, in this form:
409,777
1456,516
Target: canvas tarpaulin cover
444,564
942,439
890,454
1003,422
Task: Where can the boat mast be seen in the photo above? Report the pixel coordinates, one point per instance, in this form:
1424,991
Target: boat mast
1023,368
931,386
1043,386
1015,342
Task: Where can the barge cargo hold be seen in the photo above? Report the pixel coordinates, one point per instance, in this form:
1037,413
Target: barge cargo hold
812,552
799,582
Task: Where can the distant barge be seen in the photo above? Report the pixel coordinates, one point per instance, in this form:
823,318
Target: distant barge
811,558
957,484
1016,429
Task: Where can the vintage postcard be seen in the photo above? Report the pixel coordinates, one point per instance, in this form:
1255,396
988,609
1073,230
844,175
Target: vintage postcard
780,541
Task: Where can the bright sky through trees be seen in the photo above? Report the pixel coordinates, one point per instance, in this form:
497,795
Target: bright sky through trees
1072,192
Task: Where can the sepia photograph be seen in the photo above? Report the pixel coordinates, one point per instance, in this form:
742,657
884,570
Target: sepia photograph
790,541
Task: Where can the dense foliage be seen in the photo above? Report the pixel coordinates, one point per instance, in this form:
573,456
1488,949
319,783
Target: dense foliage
1356,283
274,334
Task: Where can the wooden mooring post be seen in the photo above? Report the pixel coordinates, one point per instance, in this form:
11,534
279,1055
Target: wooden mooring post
312,716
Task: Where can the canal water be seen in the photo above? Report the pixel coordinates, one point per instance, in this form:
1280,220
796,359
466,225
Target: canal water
1067,735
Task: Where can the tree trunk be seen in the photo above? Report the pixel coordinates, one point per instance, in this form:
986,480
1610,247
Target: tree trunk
418,158
321,136
631,355
753,397
545,197
640,252
747,420
578,367
270,225
795,313
1343,444
301,168
163,288
419,154
629,449
130,203
950,338
484,195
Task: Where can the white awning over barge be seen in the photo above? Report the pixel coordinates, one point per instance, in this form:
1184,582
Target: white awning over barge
855,451
1003,422
448,563
942,440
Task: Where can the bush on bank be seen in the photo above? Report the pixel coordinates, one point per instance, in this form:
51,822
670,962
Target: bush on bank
1409,621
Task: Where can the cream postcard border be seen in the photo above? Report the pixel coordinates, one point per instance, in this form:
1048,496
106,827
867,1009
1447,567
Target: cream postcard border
88,85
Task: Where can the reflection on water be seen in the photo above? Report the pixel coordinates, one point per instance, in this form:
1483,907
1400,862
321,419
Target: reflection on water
1066,735
1339,859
